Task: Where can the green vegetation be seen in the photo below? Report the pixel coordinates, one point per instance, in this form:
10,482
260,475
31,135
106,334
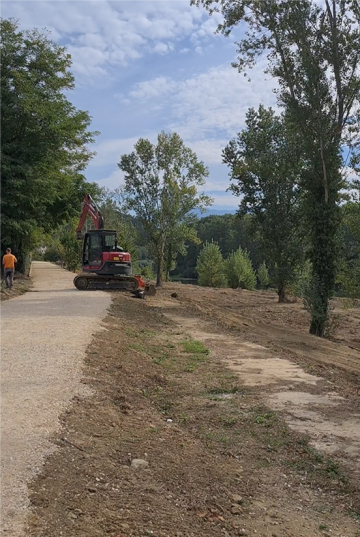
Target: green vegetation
196,347
161,184
263,276
210,266
45,140
265,162
312,51
239,270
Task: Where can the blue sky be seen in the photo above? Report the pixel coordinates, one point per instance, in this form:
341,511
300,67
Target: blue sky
146,66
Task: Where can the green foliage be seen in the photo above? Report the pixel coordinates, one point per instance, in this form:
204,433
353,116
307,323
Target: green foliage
263,276
265,162
312,50
301,282
239,270
45,138
70,250
348,274
194,346
161,184
53,253
229,231
211,267
147,272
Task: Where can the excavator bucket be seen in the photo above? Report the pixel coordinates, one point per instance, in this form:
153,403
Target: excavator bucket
150,290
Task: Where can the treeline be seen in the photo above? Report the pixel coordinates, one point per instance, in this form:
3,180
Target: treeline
45,141
312,50
232,245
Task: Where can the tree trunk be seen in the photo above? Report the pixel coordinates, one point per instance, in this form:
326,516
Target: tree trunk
281,292
325,219
159,270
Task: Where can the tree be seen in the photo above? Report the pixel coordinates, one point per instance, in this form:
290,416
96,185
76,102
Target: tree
265,162
116,218
229,231
313,49
177,244
70,249
161,188
263,276
44,137
349,260
211,267
239,270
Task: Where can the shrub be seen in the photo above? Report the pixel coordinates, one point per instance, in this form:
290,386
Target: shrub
301,283
239,270
263,276
210,266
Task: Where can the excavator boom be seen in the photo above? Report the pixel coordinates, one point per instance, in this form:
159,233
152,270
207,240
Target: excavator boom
89,208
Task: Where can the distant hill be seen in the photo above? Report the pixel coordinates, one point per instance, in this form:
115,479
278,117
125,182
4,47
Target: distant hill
210,212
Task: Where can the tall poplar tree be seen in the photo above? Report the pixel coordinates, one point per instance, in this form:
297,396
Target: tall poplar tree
313,50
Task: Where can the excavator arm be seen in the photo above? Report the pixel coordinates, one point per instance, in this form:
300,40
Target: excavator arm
89,208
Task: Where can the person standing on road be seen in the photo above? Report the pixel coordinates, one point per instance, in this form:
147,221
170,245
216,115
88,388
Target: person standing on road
9,261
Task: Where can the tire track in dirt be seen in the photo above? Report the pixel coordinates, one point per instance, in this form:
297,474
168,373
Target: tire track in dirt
300,343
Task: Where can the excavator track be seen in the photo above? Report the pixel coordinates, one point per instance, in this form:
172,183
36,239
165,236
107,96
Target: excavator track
130,284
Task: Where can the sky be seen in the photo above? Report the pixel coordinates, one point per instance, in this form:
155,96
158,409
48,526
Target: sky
142,67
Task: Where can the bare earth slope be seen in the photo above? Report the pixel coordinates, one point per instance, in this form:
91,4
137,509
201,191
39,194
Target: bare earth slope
244,425
44,337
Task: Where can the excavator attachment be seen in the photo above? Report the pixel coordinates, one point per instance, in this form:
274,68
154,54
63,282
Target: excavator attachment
150,290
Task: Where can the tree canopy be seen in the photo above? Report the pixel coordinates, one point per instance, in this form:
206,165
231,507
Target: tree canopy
44,137
266,163
161,183
313,50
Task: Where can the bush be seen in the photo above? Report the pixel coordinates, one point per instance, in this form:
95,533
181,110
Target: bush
210,266
263,276
147,272
70,250
52,253
239,270
301,283
348,277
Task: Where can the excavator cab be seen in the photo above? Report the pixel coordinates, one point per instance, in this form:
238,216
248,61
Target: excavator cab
102,255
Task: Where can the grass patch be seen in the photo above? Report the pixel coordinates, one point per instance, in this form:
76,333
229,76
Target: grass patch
268,419
194,347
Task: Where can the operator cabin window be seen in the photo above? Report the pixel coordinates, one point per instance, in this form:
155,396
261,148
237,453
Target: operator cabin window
95,249
109,242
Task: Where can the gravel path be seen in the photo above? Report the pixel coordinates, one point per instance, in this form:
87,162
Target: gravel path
44,337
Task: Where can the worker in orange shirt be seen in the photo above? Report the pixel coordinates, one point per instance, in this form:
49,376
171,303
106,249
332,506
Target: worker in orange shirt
9,261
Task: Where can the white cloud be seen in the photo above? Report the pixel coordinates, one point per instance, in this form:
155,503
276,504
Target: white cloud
162,48
208,150
225,201
149,89
103,34
209,103
108,152
113,181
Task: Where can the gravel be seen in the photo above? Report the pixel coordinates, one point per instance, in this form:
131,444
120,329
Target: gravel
44,336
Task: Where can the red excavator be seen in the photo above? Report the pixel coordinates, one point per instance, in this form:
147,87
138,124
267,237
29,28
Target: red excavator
105,265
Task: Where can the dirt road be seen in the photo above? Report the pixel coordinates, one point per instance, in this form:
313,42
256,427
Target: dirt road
44,337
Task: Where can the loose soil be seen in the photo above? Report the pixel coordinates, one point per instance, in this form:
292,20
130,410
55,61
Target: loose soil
210,389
